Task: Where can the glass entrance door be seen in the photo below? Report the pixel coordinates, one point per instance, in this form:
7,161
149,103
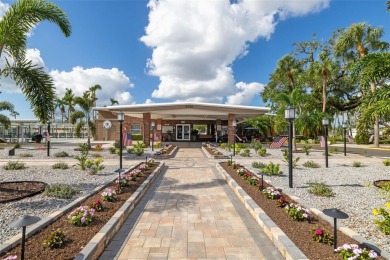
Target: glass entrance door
183,132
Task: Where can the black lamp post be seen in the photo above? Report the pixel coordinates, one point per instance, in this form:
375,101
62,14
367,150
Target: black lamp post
23,222
345,138
121,118
48,138
231,159
234,124
289,114
325,122
335,214
153,125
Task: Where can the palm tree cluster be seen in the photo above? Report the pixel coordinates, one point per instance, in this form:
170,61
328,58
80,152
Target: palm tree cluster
345,75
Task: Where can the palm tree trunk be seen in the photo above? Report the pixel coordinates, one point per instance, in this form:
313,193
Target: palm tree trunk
376,123
293,137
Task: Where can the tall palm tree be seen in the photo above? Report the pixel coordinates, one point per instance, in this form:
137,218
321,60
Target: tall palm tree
92,92
356,42
69,102
15,25
61,105
388,6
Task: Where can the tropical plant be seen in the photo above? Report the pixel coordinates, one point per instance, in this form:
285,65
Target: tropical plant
383,223
272,169
113,102
352,251
386,162
311,164
14,166
60,165
262,151
61,154
94,166
246,153
4,120
56,239
306,148
15,26
258,165
322,236
82,157
286,158
320,189
357,164
61,191
256,145
81,216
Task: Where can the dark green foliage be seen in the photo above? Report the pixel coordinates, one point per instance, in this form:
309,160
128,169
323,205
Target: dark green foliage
61,191
56,239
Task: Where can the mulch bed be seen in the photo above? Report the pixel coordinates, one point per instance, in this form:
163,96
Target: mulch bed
78,236
16,190
298,232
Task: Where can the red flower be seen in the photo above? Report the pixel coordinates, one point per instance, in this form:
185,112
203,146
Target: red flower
319,232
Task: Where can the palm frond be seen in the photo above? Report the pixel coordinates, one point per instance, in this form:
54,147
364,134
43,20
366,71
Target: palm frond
5,121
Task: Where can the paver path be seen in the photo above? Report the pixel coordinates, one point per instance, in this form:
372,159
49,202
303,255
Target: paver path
190,213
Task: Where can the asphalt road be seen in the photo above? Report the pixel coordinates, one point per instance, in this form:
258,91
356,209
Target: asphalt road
382,152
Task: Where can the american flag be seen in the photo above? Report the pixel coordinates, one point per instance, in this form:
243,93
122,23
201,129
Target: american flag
127,139
278,142
322,141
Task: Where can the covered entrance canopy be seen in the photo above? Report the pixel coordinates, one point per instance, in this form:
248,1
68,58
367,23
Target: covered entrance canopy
181,113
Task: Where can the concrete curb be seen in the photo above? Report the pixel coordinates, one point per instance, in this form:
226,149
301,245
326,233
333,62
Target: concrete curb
170,155
286,247
97,244
210,156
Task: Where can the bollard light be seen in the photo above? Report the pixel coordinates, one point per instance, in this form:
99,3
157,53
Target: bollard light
48,138
23,222
325,122
289,115
153,125
335,214
262,180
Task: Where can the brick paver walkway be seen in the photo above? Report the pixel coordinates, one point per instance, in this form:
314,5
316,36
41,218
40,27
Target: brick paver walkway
190,213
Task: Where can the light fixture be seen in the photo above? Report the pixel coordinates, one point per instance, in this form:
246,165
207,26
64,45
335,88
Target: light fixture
289,113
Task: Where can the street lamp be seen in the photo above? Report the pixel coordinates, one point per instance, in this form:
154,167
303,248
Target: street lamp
153,125
325,122
48,138
289,114
234,124
121,118
23,222
345,138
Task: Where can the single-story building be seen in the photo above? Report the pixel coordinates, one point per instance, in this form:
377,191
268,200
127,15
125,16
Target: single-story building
172,121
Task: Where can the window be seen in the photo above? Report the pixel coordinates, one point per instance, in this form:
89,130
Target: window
135,129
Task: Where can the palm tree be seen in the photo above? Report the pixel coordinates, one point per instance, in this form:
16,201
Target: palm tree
92,91
4,120
388,6
69,102
114,101
60,104
356,42
15,25
14,114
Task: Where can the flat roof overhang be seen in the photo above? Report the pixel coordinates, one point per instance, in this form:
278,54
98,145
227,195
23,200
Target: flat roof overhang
183,111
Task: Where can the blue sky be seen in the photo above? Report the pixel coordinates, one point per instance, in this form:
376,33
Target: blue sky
186,50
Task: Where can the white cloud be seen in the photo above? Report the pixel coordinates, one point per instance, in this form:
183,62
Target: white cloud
35,56
3,8
115,84
245,93
195,42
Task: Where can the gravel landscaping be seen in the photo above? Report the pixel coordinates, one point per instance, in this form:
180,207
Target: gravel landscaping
353,186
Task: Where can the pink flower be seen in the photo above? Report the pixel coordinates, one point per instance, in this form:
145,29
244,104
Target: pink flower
82,219
319,232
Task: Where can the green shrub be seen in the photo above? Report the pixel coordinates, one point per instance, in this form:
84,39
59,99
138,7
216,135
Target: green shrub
334,150
258,165
286,159
60,165
96,155
111,150
272,169
61,154
17,146
94,166
157,145
139,148
357,164
14,166
256,145
246,153
25,155
60,191
320,189
223,145
56,239
306,148
137,137
386,162
262,151
362,136
311,164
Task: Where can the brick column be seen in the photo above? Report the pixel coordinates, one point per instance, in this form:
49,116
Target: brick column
158,122
231,118
146,118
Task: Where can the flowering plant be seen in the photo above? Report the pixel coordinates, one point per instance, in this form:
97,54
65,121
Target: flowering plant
131,176
253,181
259,186
352,251
123,180
108,195
247,175
241,171
322,236
383,224
97,205
150,161
271,193
137,172
11,257
282,202
297,212
81,216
